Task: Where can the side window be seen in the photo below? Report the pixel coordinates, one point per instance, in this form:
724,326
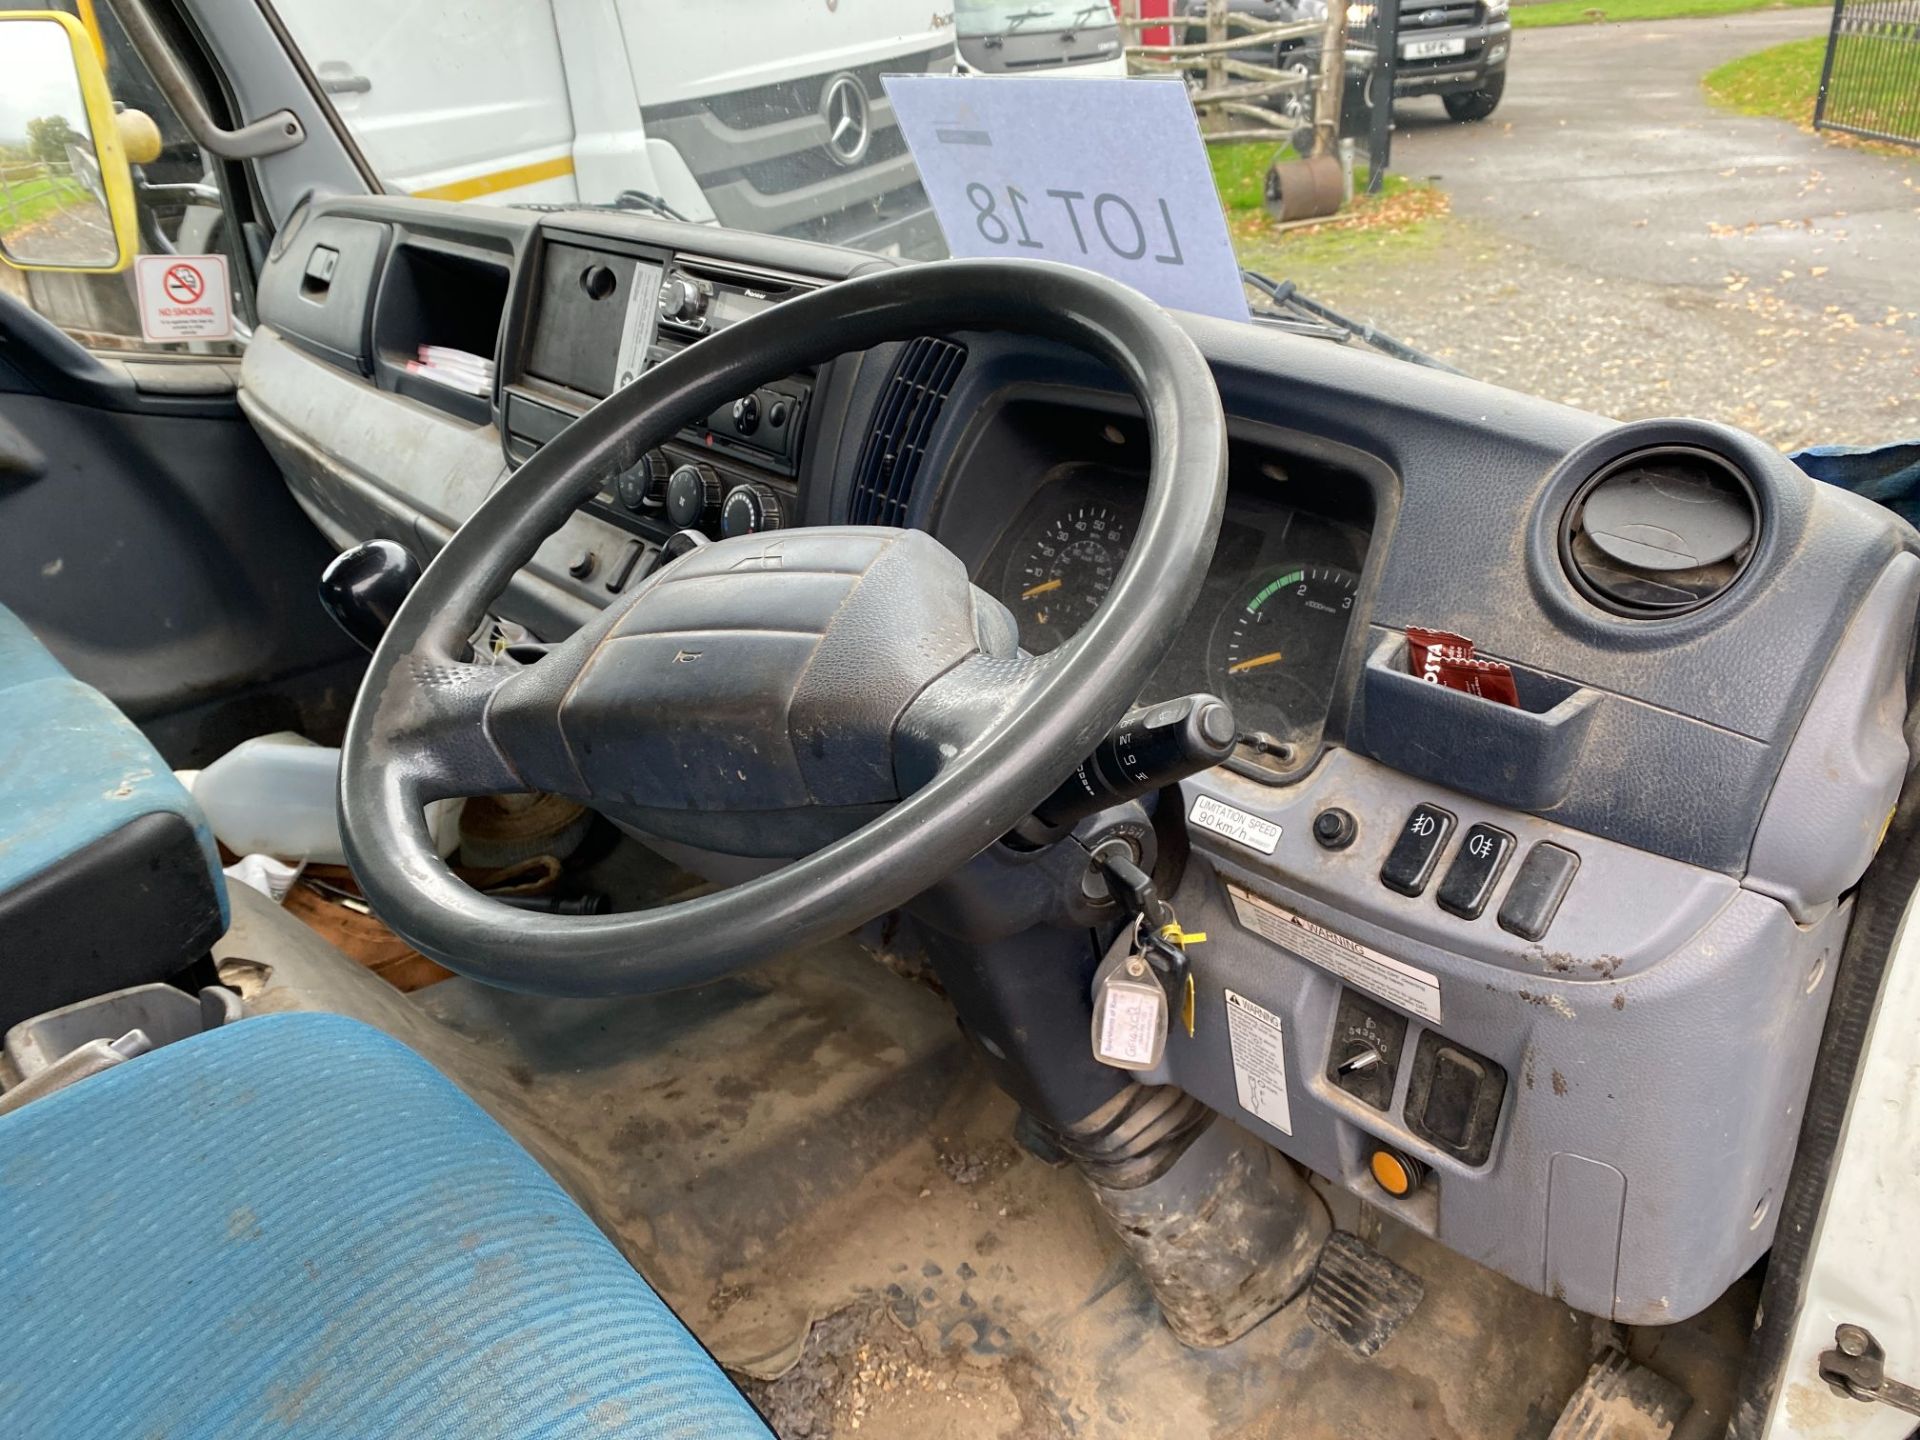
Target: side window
182,211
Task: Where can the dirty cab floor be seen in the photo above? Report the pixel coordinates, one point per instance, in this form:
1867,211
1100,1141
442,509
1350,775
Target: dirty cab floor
809,1167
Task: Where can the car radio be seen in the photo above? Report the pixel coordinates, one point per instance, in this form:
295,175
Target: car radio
730,472
699,298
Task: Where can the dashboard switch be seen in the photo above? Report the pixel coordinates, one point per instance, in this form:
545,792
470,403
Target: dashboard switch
1396,1172
1368,1041
1335,828
1410,864
1454,1098
1475,871
1539,886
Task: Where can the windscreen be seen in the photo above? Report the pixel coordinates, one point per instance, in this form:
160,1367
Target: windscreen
1636,207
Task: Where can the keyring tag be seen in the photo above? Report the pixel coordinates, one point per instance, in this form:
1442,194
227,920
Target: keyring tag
1130,1010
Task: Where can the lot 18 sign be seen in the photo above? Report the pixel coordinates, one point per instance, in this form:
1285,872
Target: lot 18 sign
1109,174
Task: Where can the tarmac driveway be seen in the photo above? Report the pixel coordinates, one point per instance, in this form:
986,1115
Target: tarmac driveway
1621,244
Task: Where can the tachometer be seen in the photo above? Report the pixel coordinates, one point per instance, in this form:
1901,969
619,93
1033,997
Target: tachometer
1276,649
1066,572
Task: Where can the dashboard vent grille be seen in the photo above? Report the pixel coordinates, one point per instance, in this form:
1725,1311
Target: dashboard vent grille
903,424
1661,531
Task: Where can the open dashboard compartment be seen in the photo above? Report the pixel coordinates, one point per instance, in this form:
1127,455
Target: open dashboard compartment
449,295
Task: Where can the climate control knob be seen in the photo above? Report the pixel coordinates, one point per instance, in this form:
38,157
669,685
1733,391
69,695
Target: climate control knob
645,485
749,509
693,497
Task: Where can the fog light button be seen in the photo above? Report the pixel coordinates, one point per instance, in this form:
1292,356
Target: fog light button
1475,871
1411,862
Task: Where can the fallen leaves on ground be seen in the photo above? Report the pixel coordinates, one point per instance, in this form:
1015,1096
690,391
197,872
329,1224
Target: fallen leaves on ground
1367,213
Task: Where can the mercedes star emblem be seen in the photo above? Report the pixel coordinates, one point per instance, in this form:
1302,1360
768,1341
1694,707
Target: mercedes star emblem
849,125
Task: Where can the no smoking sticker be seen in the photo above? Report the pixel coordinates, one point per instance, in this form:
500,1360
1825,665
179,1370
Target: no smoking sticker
184,297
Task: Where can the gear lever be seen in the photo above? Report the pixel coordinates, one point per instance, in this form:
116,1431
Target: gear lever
362,588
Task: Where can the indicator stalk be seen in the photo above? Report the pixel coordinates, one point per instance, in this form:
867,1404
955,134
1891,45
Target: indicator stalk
1152,746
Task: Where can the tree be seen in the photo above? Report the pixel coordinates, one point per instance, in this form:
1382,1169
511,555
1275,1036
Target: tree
49,136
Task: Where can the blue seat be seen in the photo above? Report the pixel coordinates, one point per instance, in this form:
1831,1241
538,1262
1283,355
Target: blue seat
109,875
296,1227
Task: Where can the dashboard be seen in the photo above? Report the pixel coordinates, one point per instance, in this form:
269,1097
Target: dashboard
1568,959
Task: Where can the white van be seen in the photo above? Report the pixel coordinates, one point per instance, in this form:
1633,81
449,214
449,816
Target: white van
1040,37
760,114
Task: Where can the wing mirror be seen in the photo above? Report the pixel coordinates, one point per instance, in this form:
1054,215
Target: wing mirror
66,195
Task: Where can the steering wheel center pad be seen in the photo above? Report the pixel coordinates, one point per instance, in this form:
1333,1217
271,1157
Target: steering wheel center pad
762,674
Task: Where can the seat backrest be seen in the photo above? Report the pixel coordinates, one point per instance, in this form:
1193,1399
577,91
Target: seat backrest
109,875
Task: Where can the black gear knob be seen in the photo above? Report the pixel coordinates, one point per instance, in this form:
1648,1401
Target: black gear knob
362,588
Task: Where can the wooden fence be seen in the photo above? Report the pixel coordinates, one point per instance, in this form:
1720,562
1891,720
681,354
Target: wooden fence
1238,98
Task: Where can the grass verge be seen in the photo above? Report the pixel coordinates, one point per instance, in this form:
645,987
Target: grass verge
1401,219
1541,13
1783,82
38,199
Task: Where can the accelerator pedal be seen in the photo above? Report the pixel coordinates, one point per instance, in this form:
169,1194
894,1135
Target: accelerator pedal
1359,1296
1622,1399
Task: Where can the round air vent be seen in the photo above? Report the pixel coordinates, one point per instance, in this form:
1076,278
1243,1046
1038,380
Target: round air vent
1660,532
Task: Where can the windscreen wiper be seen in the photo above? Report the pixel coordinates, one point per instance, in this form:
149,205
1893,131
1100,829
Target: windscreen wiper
629,200
1020,17
1294,311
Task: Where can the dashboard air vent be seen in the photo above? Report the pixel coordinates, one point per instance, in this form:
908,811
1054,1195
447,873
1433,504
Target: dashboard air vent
1661,531
903,424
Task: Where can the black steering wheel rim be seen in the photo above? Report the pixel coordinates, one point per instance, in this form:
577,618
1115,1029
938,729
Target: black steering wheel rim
1059,710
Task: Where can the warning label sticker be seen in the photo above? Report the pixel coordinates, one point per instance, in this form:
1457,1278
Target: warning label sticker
184,297
1416,991
1259,1061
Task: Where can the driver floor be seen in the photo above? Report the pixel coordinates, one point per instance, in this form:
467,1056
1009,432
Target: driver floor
809,1166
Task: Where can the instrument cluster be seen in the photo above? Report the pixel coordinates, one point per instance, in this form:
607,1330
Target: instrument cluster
1269,628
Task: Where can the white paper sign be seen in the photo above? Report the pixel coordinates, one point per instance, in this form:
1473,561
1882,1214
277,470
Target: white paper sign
184,297
1108,174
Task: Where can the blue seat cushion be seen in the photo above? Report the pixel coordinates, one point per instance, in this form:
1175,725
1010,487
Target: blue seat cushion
109,875
296,1227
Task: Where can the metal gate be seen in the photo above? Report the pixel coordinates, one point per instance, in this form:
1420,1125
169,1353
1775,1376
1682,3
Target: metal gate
1870,82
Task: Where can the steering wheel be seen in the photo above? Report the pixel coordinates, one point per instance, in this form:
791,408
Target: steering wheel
840,690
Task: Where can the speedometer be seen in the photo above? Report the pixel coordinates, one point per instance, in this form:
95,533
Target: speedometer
1066,571
1276,649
